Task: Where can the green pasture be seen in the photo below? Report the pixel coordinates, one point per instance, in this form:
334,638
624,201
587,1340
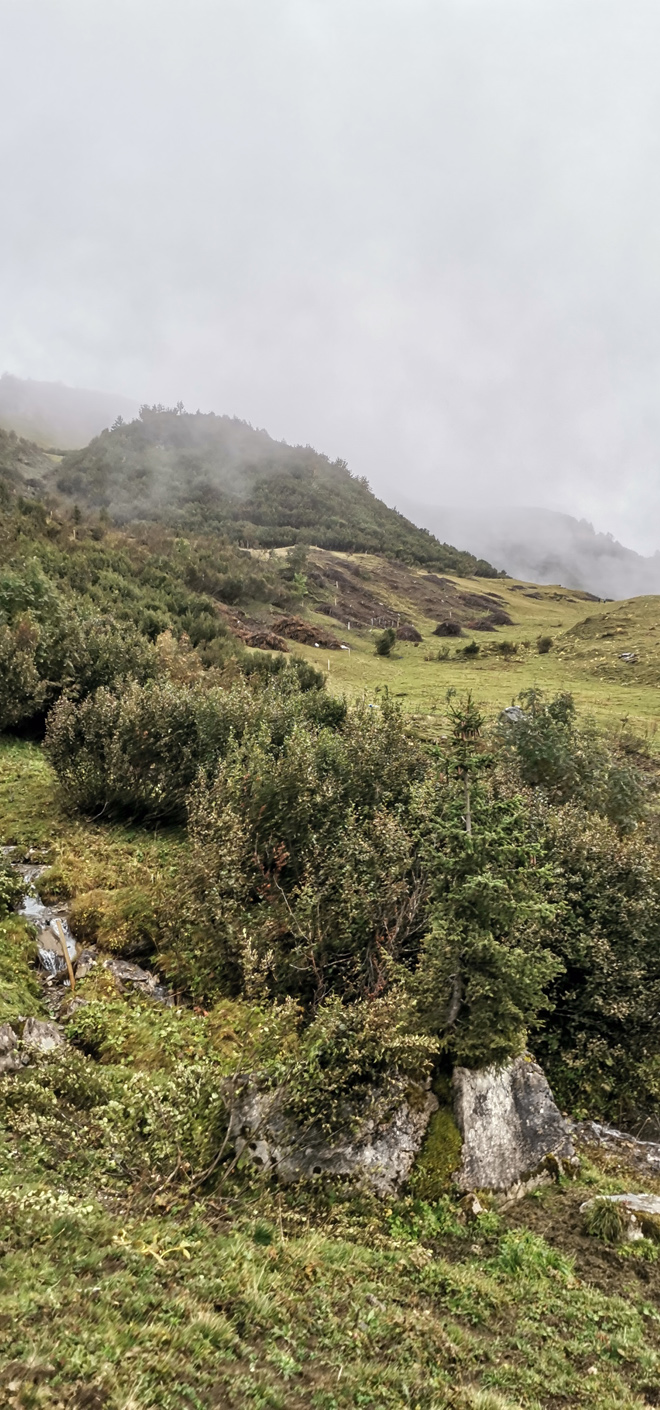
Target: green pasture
588,637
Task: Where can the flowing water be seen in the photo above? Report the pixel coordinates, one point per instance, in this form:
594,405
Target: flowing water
42,916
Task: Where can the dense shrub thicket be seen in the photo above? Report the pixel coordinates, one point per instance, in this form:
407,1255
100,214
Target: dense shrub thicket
136,751
84,607
570,761
601,1046
494,891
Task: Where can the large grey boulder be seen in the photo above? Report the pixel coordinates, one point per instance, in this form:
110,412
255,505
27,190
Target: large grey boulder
374,1149
513,1134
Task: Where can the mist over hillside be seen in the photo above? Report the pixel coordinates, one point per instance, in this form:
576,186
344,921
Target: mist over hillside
217,473
54,415
542,546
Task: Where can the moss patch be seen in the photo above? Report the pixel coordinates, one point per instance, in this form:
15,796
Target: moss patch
439,1157
20,994
124,921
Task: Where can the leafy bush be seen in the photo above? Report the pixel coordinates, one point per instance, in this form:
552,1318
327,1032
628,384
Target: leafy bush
570,761
355,1055
22,691
138,752
47,647
345,866
602,1049
385,642
485,960
299,843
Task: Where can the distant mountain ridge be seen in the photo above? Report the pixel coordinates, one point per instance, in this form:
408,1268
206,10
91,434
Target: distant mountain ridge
542,546
215,473
53,415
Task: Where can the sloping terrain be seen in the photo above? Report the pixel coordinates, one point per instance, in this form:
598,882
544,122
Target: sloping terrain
607,654
23,465
215,473
119,1291
144,1264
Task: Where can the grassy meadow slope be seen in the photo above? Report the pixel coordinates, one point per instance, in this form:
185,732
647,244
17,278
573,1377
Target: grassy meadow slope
589,638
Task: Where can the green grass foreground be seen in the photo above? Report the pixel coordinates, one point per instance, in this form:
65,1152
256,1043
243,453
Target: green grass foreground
280,1301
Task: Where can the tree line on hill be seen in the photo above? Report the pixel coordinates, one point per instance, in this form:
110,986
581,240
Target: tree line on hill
208,473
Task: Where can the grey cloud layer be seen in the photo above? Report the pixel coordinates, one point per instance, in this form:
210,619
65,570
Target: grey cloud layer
422,235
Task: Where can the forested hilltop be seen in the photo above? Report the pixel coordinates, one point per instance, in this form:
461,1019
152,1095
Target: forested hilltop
216,473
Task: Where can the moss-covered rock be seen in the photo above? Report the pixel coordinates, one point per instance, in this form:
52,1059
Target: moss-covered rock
124,921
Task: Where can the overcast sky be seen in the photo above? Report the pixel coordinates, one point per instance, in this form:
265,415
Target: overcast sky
423,235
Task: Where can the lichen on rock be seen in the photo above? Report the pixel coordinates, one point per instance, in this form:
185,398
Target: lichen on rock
514,1136
378,1153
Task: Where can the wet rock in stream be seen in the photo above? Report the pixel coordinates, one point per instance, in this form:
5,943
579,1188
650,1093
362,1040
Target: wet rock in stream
42,917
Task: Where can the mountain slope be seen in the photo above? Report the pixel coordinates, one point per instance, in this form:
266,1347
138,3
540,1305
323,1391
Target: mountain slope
541,546
215,473
23,465
54,415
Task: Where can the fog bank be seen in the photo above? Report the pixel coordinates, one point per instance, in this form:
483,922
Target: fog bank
540,546
421,235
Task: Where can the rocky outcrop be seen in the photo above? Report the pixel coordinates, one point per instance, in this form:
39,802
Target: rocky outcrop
644,1155
41,1036
379,1153
514,1136
10,1059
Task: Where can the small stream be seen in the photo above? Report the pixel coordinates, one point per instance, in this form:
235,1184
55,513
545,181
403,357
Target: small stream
47,920
41,917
